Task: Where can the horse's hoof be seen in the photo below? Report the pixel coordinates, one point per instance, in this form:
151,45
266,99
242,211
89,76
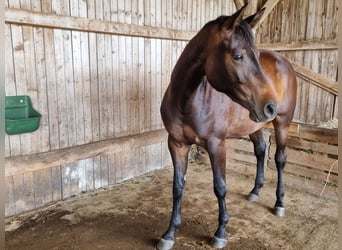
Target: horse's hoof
279,211
253,197
165,244
218,243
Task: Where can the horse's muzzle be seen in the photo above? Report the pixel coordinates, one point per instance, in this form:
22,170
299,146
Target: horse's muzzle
270,110
265,114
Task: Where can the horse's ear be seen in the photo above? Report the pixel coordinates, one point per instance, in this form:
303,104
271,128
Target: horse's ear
254,19
232,22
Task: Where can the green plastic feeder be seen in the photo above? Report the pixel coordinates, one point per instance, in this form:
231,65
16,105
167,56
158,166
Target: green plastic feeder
20,116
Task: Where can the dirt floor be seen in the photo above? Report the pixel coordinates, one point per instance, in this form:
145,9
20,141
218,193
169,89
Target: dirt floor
133,215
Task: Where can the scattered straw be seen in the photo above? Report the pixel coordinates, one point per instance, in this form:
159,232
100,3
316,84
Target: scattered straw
328,175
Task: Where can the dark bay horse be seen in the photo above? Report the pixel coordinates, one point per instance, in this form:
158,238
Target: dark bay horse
223,87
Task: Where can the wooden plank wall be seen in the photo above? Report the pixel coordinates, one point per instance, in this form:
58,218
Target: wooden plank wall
92,86
302,21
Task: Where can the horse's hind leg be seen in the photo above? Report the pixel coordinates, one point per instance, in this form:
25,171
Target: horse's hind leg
217,154
179,154
259,150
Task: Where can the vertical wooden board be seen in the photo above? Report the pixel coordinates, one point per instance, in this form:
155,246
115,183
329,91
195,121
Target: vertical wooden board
42,105
153,88
89,173
115,72
188,14
142,160
61,89
28,193
86,98
135,162
141,82
194,15
135,72
101,84
42,187
9,196
7,149
137,75
10,89
108,87
169,13
118,167
125,170
104,170
94,90
56,183
17,141
128,164
30,141
207,16
116,85
156,82
165,68
60,78
82,176
111,169
78,82
51,89
129,62
108,71
73,178
70,116
124,112
97,172
165,155
23,192
199,16
51,81
153,157
147,85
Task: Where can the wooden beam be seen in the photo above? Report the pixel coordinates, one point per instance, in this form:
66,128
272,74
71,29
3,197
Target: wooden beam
239,4
24,17
316,79
294,127
269,5
304,45
28,163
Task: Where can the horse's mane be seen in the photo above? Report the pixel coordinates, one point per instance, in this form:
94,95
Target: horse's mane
201,38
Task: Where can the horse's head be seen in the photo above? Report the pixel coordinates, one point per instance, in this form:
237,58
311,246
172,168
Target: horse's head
232,65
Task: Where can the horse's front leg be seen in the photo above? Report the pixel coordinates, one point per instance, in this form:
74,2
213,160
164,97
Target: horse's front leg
259,151
217,153
280,160
179,154
281,135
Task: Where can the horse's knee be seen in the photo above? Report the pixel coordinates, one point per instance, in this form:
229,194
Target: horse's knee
260,149
220,189
280,158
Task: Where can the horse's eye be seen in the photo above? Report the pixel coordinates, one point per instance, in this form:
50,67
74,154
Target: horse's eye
238,57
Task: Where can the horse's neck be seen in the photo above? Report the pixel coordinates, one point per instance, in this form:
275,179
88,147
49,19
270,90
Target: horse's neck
187,75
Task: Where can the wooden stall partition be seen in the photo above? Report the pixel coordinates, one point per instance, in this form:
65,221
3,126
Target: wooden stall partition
96,71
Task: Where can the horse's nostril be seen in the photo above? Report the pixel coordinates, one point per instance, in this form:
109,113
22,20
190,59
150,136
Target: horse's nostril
270,110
